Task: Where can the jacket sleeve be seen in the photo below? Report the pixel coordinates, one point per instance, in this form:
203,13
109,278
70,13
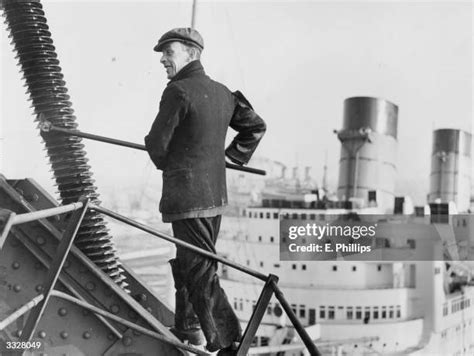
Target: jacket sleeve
250,128
173,108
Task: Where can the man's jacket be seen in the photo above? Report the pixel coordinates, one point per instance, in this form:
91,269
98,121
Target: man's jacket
187,140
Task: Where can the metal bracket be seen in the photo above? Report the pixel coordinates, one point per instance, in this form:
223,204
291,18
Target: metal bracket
257,315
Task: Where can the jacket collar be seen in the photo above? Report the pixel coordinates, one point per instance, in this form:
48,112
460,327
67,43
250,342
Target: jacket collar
191,69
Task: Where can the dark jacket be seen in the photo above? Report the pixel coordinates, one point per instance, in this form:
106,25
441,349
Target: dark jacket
187,140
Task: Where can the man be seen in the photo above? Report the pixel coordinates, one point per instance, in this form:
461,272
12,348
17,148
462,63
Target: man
187,142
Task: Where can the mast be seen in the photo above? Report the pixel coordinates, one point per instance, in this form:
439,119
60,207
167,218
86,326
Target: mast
193,14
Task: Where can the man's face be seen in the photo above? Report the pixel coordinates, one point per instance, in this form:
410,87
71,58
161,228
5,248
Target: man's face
174,58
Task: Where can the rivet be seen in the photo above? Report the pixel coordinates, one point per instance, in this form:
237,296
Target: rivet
136,333
114,308
110,336
127,340
16,265
86,335
32,197
17,288
90,286
64,335
39,288
41,334
62,311
85,312
40,240
38,265
141,298
149,309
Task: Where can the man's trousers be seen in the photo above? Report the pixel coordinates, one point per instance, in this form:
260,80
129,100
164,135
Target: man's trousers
199,298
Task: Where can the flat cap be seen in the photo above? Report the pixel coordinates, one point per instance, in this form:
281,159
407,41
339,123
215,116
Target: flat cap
186,35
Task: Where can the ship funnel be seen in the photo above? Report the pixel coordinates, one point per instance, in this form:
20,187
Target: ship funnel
451,166
369,144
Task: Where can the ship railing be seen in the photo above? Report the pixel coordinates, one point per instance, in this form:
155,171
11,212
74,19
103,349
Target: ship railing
37,305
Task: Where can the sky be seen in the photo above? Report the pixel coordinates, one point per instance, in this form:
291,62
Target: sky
295,61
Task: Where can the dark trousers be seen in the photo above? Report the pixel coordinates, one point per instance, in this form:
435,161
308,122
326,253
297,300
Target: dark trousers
200,300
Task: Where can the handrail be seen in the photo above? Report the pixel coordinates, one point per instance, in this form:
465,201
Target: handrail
46,126
178,242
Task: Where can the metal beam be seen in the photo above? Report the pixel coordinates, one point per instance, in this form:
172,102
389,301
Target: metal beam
54,270
127,323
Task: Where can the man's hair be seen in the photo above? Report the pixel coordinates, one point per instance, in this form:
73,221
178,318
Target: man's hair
193,51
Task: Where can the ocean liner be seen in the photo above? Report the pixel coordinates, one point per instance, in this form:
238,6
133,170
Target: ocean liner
411,295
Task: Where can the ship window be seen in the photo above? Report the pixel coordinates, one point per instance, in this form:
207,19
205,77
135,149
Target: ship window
366,314
384,312
358,312
304,216
322,312
244,212
293,307
261,215
268,215
399,312
293,266
350,313
334,268
411,243
376,312
303,267
260,239
248,262
379,267
269,309
464,223
283,239
302,311
261,263
264,341
331,313
272,239
235,303
241,304
275,215
312,317
312,216
354,268
445,309
294,216
276,265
